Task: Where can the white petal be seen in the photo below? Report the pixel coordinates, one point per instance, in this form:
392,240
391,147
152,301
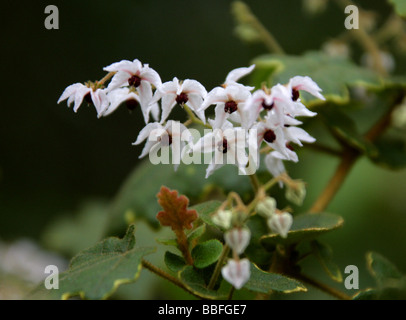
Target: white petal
79,95
238,73
195,103
306,84
220,116
167,104
119,79
70,91
146,131
296,135
205,144
237,272
123,65
193,86
216,95
274,165
151,76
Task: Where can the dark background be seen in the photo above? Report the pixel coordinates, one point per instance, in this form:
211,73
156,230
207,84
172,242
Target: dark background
52,159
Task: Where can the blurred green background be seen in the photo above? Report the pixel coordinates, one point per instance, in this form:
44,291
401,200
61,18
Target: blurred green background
52,160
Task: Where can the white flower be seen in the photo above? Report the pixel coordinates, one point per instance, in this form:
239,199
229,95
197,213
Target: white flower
189,92
275,165
173,135
238,239
297,135
281,223
237,272
267,207
223,218
273,134
228,144
306,84
229,104
78,91
236,74
132,100
136,75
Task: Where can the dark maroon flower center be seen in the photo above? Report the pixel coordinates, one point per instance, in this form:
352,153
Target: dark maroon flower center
295,94
166,139
134,81
230,106
131,104
269,136
88,98
182,98
223,146
268,106
289,146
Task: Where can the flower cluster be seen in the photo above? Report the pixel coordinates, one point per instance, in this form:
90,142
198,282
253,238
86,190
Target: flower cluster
243,119
268,115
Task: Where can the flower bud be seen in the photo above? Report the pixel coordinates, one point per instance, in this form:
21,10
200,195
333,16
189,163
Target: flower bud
280,223
296,192
237,272
238,239
267,207
223,219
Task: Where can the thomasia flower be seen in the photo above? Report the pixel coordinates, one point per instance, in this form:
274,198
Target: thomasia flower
281,223
237,272
75,93
299,83
132,100
136,75
236,74
229,104
173,135
238,239
228,144
189,92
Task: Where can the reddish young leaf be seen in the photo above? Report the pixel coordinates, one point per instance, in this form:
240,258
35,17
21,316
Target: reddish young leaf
175,213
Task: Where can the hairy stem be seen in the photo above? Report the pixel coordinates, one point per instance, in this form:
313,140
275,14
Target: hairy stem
347,162
159,272
323,287
350,156
193,117
184,246
106,78
255,182
219,265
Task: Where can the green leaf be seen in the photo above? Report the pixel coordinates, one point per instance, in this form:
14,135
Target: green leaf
174,262
206,253
196,233
386,293
332,74
194,281
305,227
138,193
324,254
265,282
399,6
381,268
97,272
69,235
391,152
255,251
167,242
205,211
367,294
344,127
